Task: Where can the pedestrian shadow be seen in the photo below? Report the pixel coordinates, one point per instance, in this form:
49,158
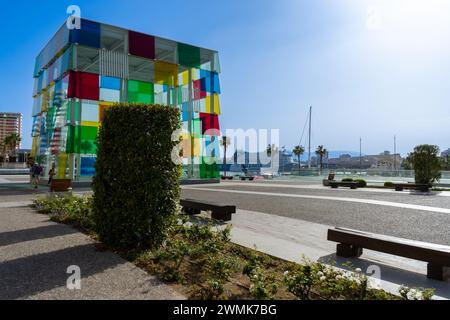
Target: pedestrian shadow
390,274
34,274
44,232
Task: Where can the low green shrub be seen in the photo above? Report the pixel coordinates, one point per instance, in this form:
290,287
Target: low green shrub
75,210
389,184
347,180
361,183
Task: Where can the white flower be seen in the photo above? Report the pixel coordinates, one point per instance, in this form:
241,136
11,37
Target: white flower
358,270
414,294
323,278
320,273
358,282
338,277
286,273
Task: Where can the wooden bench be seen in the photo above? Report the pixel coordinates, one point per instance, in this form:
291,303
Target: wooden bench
218,211
60,185
414,186
351,244
350,184
249,178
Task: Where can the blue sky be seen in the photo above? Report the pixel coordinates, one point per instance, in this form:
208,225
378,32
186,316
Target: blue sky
373,69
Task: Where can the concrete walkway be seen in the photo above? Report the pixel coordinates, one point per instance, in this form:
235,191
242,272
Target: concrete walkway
290,239
35,254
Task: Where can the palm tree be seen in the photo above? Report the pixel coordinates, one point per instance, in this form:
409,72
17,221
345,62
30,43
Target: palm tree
10,143
225,142
298,151
270,150
3,151
321,152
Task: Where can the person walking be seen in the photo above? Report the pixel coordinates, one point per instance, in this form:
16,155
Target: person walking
37,170
51,174
31,172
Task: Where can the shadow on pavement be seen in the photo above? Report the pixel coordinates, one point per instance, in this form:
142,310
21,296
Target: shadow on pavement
26,276
44,232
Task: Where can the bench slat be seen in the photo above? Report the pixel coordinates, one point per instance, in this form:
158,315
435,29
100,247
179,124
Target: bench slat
429,252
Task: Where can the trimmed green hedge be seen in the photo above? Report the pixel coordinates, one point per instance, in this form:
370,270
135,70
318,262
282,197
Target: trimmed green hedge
361,183
389,184
347,180
136,183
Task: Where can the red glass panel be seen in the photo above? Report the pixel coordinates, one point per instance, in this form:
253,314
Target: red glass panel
84,85
141,45
209,121
198,93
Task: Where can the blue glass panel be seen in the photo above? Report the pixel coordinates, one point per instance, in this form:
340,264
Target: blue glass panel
88,35
87,166
110,83
216,83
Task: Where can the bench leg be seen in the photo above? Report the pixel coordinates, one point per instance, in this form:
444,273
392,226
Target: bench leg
221,216
348,251
398,189
334,186
353,187
437,272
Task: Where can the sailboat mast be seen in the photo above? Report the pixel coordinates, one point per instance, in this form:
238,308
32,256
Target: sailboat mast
309,138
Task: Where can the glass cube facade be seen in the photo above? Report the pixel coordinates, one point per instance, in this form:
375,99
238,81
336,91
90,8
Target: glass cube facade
80,73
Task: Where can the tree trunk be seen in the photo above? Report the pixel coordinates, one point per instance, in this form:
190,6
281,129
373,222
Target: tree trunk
321,164
225,160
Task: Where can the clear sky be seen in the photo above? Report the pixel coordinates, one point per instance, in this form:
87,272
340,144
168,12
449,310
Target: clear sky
373,69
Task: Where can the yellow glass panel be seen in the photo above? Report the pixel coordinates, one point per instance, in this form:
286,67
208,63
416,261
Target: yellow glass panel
166,73
34,146
216,105
44,101
195,147
62,164
185,77
90,123
208,105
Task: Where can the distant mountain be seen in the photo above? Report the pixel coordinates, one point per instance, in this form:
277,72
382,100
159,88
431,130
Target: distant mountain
337,154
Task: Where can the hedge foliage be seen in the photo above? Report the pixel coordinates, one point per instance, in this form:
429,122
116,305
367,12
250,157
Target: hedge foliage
361,183
136,184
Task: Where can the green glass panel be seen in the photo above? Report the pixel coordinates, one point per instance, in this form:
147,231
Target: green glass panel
208,171
88,138
139,91
81,139
196,127
73,112
73,140
188,56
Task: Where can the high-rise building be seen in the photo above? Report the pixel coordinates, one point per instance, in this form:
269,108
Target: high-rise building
82,72
10,123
